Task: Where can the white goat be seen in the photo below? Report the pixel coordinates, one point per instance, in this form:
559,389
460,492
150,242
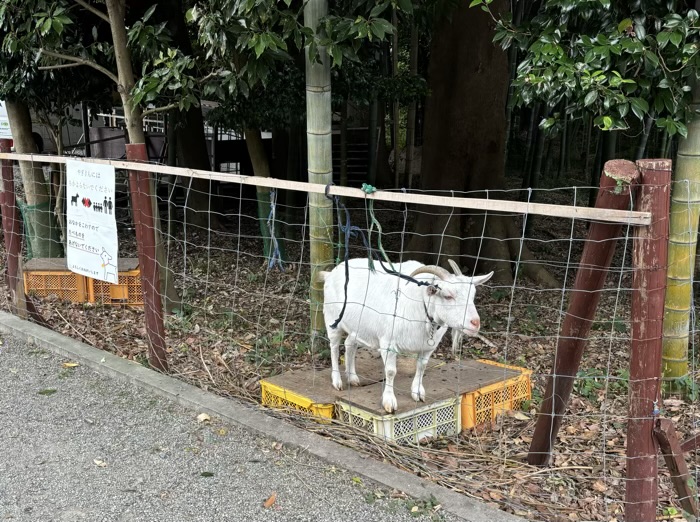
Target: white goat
395,316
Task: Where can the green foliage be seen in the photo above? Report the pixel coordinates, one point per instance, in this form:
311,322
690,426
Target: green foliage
271,349
685,386
615,60
258,49
590,383
39,38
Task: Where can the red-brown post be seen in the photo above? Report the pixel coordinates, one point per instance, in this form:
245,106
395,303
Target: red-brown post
11,225
671,450
650,258
618,179
142,211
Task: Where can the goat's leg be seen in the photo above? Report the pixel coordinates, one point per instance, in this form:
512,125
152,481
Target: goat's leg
335,336
417,390
350,352
388,398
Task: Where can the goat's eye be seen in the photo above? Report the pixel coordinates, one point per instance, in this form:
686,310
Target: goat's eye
449,297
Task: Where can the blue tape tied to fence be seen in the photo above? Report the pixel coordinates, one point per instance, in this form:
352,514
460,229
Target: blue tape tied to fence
275,255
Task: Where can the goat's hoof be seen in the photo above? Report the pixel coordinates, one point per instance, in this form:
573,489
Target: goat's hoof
337,381
389,403
353,380
418,395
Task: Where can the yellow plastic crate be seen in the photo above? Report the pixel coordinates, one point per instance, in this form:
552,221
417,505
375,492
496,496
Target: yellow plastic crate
278,397
127,292
64,284
441,418
485,404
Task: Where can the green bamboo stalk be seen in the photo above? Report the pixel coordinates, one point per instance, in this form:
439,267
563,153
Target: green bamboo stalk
318,132
683,234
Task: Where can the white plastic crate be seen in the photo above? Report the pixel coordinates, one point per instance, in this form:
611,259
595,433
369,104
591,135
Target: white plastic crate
432,420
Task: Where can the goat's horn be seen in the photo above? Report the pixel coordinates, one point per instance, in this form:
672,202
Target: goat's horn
455,267
432,269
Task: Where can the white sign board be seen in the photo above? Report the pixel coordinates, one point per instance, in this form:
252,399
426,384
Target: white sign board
5,131
91,223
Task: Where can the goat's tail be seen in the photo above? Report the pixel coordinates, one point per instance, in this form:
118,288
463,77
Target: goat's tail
322,276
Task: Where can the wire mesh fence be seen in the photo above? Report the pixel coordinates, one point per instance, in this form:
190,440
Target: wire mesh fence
235,277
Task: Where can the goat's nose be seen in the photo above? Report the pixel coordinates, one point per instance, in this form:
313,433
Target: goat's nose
476,323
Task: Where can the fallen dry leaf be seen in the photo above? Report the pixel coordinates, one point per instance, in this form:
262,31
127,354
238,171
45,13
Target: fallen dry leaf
203,417
519,415
70,364
600,486
100,463
270,500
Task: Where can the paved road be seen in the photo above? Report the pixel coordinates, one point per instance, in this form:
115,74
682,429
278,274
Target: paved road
78,446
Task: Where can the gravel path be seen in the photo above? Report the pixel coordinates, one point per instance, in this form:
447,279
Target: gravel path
78,446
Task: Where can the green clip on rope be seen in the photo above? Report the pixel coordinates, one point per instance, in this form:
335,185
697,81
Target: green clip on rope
369,189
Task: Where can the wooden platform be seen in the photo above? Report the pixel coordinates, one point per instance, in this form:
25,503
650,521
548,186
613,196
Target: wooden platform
441,381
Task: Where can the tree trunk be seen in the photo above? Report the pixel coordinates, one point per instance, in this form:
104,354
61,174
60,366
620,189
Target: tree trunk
539,157
372,140
193,154
644,138
588,122
171,140
606,151
398,182
532,132
295,201
39,221
133,120
384,173
411,116
463,63
319,152
562,146
261,168
59,209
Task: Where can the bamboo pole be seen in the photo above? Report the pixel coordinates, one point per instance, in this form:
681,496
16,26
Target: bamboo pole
683,236
319,153
650,258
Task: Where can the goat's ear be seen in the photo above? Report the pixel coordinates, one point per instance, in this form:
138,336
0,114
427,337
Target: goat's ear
480,280
432,290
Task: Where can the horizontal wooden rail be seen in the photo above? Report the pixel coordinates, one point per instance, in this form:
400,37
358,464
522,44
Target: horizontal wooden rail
492,205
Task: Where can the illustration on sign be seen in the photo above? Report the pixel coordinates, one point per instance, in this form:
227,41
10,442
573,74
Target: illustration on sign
91,224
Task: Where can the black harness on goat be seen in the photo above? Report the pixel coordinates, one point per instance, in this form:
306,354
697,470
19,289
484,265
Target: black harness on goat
434,325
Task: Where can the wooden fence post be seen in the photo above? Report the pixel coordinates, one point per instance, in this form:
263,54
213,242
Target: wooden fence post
618,179
11,228
142,211
672,453
650,258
